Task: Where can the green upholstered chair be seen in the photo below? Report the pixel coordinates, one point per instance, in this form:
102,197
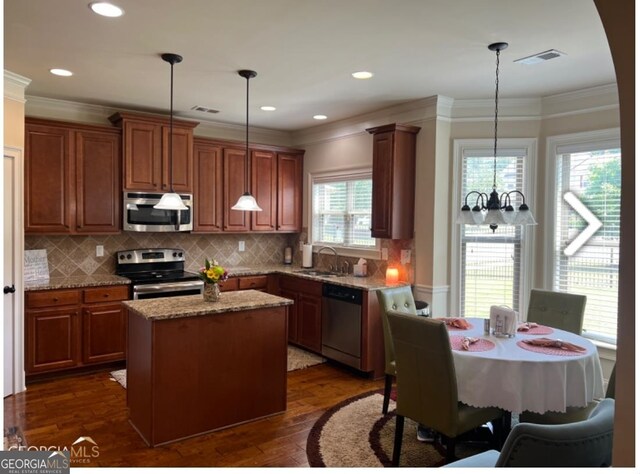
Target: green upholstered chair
559,310
392,299
586,443
426,383
572,414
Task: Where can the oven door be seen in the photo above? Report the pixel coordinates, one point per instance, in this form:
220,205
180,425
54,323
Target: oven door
161,290
139,214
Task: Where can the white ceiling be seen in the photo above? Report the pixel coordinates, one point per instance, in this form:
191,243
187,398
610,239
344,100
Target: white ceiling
304,52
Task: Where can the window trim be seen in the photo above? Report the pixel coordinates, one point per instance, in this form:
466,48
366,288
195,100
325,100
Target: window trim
526,146
338,175
562,144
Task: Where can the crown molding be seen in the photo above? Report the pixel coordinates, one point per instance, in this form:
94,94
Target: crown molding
14,86
59,109
410,113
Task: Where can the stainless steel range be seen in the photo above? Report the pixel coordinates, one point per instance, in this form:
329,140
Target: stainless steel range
156,273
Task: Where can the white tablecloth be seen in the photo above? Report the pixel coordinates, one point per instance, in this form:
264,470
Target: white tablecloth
517,379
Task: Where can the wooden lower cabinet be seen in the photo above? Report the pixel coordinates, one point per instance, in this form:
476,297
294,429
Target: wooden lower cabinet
52,340
104,335
305,316
68,329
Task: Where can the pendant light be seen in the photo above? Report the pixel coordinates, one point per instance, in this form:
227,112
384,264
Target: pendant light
247,202
171,201
495,209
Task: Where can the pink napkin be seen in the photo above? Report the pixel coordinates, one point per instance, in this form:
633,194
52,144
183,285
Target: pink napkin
527,326
556,343
467,341
459,323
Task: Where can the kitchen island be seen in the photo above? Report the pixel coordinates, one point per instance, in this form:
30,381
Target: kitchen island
195,367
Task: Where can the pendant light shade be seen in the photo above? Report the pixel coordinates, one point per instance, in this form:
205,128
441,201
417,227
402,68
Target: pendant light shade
171,201
247,202
492,208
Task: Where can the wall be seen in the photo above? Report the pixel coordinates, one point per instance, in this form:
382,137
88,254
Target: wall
14,106
76,255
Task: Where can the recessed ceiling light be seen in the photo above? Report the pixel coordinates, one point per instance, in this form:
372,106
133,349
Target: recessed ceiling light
268,108
320,117
106,9
362,75
60,72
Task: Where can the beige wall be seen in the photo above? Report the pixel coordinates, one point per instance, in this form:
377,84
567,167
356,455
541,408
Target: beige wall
13,123
618,20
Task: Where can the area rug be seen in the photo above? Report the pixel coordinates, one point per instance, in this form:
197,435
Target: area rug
355,433
296,359
13,438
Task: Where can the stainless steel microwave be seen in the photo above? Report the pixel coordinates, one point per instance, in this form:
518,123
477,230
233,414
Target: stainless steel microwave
140,216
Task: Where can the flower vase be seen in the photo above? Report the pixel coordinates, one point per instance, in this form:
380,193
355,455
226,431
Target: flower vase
211,292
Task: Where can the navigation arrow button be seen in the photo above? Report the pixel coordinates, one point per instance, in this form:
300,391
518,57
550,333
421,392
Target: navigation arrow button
593,224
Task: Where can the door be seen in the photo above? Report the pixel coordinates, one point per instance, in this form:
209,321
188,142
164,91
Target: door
263,187
181,176
310,322
104,333
142,156
289,192
383,144
235,176
207,188
53,339
13,249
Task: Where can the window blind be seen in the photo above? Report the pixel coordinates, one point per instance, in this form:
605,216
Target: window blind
490,263
595,178
342,211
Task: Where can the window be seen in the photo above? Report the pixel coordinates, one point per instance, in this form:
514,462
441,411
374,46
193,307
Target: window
488,266
341,209
591,171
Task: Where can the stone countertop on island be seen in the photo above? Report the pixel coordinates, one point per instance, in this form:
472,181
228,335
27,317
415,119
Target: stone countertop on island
59,283
174,307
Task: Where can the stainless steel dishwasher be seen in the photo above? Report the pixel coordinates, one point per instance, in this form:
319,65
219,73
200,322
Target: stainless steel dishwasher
342,324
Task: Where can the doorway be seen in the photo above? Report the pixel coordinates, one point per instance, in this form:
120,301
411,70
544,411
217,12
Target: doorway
13,250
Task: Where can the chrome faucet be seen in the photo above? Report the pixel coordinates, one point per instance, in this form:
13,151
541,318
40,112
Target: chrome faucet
334,252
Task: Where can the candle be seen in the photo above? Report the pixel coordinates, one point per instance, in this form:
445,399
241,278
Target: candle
392,275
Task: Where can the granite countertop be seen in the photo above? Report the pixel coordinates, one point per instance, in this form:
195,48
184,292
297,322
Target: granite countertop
188,306
59,283
362,283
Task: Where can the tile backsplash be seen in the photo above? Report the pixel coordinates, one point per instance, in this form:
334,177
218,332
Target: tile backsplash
76,255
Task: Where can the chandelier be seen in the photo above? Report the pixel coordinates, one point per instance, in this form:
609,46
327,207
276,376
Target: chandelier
495,209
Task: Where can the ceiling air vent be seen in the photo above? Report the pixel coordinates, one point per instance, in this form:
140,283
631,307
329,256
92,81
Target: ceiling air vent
540,57
199,108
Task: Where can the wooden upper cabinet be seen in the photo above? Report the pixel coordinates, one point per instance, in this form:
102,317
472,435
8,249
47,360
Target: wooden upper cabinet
142,156
146,152
182,160
264,181
72,178
98,193
48,183
234,186
207,187
394,163
289,192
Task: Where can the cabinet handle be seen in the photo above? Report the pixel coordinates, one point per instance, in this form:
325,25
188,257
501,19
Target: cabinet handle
55,300
9,289
106,295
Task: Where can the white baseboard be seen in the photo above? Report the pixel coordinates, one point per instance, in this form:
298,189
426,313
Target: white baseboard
436,296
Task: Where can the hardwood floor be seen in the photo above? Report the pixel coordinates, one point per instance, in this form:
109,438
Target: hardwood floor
58,412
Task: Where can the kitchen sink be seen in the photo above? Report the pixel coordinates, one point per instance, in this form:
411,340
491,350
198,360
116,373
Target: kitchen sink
323,273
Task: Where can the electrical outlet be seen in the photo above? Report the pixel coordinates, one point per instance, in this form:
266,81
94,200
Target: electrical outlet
405,256
241,246
99,250
385,253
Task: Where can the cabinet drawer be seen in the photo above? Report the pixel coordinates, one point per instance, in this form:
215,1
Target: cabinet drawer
106,293
47,299
302,285
230,284
253,283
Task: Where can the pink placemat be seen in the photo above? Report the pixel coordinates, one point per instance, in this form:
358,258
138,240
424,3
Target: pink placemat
548,350
480,346
453,328
540,330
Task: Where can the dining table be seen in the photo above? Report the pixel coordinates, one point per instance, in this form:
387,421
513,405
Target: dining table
509,373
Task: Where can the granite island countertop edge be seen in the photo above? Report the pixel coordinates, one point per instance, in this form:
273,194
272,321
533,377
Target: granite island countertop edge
176,307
